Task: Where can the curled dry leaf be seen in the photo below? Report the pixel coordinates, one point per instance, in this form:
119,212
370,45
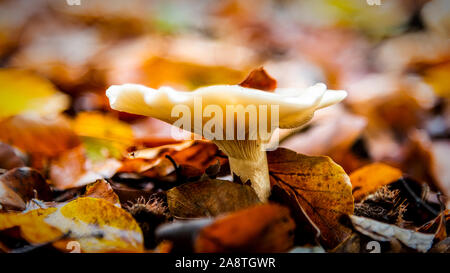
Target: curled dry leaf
370,178
103,190
38,135
259,79
262,228
96,224
317,187
9,159
385,232
152,162
73,169
27,183
209,198
437,226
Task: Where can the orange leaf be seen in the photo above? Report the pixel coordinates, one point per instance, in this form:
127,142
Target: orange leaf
262,228
317,187
369,178
40,136
102,190
259,79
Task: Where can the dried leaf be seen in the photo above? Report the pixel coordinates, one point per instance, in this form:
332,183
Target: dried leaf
40,136
72,169
27,183
9,159
152,162
103,190
259,79
22,91
96,224
103,136
437,226
263,228
385,232
209,198
439,165
9,199
318,187
370,178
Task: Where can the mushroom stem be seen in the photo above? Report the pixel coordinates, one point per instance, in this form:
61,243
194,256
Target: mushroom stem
248,160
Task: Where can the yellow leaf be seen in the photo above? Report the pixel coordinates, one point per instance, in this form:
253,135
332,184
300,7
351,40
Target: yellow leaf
96,224
103,136
439,78
32,226
22,91
97,125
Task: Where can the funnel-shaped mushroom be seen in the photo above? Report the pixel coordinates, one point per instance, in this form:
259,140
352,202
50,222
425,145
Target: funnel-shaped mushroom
293,108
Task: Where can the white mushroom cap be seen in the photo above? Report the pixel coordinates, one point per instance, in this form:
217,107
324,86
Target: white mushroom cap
296,106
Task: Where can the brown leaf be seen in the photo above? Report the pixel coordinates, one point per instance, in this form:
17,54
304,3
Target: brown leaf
368,179
440,158
263,228
437,226
209,198
9,199
72,169
103,190
259,79
9,158
318,187
27,183
386,232
40,136
152,162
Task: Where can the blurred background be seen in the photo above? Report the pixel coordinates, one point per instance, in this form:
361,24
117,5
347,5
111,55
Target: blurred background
58,57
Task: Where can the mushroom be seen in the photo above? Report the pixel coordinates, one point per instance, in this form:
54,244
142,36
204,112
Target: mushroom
244,144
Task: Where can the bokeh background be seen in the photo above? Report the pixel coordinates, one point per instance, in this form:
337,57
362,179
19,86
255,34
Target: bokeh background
57,60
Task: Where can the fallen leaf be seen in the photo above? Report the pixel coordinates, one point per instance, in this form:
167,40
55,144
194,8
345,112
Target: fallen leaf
439,165
9,158
319,188
437,226
103,136
38,135
264,228
103,190
32,226
96,224
22,91
73,169
9,199
97,125
209,198
27,183
152,162
259,79
385,232
369,178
